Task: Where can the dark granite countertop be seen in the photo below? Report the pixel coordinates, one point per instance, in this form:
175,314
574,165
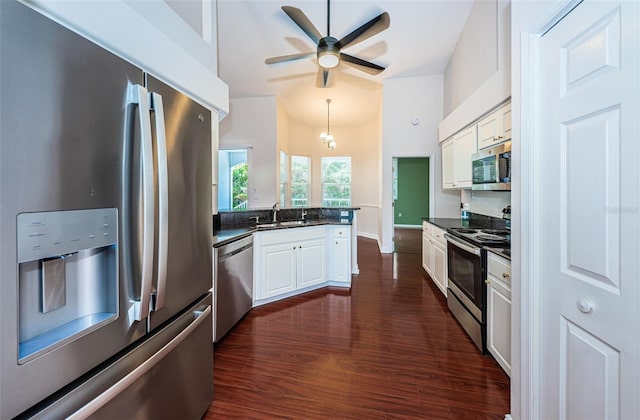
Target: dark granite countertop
228,234
476,221
503,252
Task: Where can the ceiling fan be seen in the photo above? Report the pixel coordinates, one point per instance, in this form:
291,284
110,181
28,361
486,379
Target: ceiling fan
328,49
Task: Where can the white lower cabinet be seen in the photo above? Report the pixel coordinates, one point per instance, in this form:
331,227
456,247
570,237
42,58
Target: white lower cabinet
499,310
278,272
434,255
310,262
339,239
289,261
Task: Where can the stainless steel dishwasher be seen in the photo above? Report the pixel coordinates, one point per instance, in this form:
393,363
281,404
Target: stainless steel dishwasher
233,283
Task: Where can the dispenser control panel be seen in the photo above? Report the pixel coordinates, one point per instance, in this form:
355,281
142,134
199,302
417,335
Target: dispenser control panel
48,234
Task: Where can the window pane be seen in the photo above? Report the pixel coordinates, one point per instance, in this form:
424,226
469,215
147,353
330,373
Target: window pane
232,179
336,181
300,179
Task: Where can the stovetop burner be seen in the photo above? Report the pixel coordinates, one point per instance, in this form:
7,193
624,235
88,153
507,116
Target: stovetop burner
480,237
502,232
463,230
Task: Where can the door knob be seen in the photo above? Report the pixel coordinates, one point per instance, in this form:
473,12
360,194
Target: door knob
584,306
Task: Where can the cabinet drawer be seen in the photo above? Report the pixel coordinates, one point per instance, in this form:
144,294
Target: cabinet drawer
341,232
499,268
438,236
427,228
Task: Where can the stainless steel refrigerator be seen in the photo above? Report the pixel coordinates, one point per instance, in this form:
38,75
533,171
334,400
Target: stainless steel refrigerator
105,232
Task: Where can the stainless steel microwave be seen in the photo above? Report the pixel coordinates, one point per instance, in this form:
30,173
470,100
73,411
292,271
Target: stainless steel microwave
491,168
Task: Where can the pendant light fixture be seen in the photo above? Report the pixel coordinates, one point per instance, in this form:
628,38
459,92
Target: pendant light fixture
327,138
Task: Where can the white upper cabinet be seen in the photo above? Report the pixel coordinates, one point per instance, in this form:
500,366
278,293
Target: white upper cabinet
495,128
456,159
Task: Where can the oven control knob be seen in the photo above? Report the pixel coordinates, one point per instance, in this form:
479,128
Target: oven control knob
584,305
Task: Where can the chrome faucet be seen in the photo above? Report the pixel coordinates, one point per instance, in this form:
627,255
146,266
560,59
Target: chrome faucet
275,209
303,214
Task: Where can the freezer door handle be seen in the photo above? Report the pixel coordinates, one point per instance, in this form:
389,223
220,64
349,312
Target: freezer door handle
120,386
163,199
139,96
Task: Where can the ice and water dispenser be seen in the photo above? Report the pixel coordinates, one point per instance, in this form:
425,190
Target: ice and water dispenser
68,276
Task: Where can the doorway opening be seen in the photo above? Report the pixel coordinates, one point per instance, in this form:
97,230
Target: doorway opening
411,182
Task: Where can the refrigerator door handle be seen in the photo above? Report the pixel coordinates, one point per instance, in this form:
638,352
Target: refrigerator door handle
120,386
163,199
140,97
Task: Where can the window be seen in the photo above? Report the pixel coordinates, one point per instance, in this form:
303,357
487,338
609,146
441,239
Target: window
300,181
232,179
284,177
336,181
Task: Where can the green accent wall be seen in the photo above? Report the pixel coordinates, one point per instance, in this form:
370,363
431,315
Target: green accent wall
412,203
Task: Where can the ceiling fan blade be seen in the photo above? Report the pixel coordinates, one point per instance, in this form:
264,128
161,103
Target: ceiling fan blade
361,64
325,78
286,58
369,29
303,22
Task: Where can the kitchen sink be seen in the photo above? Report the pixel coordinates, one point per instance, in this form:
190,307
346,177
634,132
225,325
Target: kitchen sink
293,223
267,225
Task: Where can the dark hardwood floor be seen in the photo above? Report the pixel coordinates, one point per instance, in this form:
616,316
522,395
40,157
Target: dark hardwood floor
407,240
387,349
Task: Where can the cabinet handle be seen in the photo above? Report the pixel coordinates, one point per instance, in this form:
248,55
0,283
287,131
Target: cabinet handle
487,282
506,275
294,247
336,242
300,246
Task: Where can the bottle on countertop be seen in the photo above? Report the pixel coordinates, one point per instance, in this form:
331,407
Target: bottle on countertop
464,211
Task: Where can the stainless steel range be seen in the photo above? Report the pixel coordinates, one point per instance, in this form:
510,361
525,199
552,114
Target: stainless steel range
467,264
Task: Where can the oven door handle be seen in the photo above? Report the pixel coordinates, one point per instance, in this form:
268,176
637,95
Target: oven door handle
463,245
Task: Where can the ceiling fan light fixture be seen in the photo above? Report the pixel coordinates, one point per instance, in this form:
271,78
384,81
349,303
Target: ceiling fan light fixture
328,59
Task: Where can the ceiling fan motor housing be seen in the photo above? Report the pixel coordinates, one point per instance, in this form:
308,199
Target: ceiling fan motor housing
328,52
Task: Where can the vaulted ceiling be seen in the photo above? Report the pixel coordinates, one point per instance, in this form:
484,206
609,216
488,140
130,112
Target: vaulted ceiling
420,40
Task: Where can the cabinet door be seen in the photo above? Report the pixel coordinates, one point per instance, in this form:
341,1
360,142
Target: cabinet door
489,129
464,145
499,323
439,271
426,253
447,164
278,272
505,115
310,260
341,260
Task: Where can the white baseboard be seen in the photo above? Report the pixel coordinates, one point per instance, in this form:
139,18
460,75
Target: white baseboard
507,417
369,235
408,226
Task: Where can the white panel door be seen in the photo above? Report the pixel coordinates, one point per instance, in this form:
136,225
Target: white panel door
587,214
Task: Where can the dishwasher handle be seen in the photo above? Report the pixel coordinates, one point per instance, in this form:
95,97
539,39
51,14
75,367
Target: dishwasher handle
233,248
234,252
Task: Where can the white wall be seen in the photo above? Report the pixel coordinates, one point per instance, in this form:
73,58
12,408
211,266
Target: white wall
152,36
495,89
488,203
475,57
366,182
252,122
405,100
